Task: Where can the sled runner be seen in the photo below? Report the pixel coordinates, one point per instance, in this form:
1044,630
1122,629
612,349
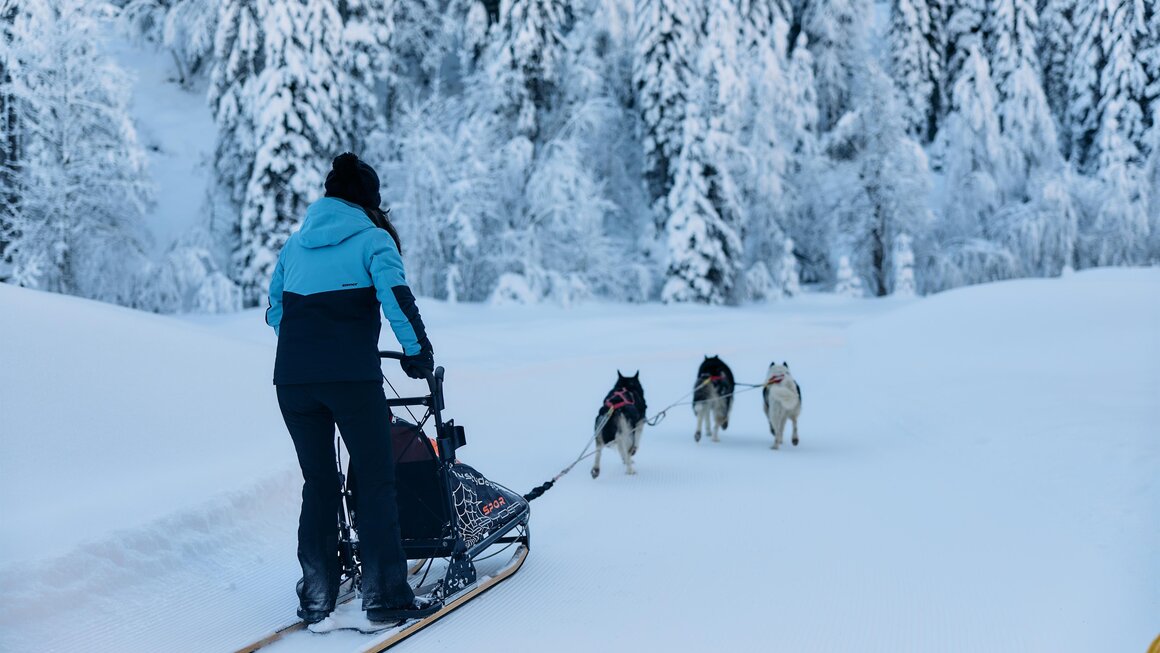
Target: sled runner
450,516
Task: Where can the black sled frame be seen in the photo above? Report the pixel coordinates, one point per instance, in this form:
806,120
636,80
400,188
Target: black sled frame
446,509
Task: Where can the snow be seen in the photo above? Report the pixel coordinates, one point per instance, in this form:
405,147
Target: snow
177,130
976,472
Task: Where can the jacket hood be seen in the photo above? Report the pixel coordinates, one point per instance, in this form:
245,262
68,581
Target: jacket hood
330,220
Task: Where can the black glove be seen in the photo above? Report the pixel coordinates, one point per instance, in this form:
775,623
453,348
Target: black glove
418,366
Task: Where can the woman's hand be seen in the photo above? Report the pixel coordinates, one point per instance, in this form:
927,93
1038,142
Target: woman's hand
418,366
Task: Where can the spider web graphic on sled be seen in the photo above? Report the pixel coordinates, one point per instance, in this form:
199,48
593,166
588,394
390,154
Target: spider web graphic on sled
480,504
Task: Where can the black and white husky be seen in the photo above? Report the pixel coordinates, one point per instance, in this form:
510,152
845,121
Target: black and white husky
783,400
712,397
621,420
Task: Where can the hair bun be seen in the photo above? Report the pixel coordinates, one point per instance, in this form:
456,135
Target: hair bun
347,162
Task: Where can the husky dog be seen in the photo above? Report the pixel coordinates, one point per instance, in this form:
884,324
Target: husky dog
712,397
783,400
621,420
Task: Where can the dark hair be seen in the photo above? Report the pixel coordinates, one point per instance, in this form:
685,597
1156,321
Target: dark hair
382,220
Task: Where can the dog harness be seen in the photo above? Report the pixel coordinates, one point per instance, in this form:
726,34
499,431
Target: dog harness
623,399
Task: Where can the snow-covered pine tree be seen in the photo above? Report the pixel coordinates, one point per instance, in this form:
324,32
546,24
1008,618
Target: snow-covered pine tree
892,173
238,60
416,49
779,116
1108,89
964,34
849,284
972,150
77,228
788,282
1056,34
902,281
1107,86
916,64
1025,118
838,39
11,146
704,247
297,113
533,48
366,33
665,49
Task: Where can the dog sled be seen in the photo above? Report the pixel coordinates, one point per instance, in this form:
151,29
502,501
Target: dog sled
452,520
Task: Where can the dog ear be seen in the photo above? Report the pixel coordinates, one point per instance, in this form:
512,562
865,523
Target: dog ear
785,364
637,375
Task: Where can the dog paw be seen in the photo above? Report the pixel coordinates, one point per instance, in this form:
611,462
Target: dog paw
775,446
795,441
595,472
697,436
716,439
630,471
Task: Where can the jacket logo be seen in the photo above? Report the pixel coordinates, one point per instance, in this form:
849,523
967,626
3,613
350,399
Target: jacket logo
349,285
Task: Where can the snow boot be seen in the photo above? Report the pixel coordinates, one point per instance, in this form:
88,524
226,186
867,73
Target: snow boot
422,606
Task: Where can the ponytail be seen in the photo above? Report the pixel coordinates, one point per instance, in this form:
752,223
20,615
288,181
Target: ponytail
382,220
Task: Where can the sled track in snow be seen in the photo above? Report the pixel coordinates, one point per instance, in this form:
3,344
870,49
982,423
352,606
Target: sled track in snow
147,584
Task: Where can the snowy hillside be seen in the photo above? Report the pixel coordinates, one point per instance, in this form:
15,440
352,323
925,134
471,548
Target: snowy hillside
976,473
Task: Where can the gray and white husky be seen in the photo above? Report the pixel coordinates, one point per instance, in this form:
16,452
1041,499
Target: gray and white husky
783,400
621,420
712,397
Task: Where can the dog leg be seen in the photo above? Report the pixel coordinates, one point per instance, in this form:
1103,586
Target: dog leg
795,434
622,445
715,420
596,465
699,409
636,435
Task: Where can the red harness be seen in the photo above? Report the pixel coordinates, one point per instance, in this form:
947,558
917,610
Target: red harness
625,400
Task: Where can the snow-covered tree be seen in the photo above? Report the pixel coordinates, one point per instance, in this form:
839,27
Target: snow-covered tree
1025,118
296,115
665,48
902,278
365,57
11,141
279,120
704,246
184,27
972,149
1042,231
916,65
1056,35
838,39
238,60
441,189
1107,86
849,284
885,182
532,48
77,227
788,282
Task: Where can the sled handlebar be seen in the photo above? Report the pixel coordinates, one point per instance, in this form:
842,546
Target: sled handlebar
450,436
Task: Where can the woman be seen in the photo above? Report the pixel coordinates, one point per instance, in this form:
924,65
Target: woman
332,276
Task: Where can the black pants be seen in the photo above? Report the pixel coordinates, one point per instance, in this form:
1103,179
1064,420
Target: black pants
359,408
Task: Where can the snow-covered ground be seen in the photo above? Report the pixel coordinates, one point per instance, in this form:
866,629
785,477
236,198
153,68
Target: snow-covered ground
977,472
